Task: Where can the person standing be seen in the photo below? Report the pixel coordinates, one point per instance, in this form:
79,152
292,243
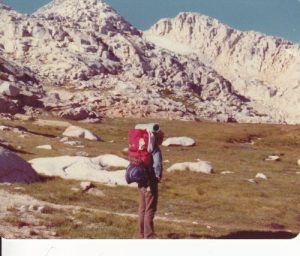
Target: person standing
149,192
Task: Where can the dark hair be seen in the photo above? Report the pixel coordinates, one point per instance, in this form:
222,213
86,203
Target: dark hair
156,128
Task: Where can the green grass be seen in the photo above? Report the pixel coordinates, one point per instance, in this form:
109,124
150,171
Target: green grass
227,202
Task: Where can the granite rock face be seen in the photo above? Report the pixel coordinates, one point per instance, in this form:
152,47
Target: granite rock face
264,69
91,62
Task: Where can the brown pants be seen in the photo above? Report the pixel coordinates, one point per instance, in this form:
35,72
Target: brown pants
147,209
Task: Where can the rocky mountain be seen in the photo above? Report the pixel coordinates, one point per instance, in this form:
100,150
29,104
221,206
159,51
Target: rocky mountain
19,89
264,69
91,63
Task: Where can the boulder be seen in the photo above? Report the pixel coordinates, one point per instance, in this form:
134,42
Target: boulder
14,169
86,185
261,176
273,158
298,162
200,166
9,89
46,147
78,168
179,141
227,172
96,192
77,114
78,132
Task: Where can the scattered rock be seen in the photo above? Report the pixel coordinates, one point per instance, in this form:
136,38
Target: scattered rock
5,128
46,147
72,143
86,185
78,132
167,161
252,181
19,189
125,150
298,162
95,192
179,141
273,158
261,176
200,166
80,113
226,172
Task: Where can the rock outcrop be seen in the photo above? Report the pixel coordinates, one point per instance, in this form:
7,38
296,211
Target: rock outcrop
79,168
78,132
20,91
264,69
88,55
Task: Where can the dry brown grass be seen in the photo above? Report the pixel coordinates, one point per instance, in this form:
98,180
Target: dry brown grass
228,203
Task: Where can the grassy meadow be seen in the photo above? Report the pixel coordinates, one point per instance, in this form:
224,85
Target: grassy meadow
191,205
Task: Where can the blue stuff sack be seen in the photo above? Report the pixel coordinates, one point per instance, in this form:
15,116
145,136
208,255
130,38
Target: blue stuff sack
136,173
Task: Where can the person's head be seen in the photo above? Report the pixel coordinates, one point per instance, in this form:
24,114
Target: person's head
159,137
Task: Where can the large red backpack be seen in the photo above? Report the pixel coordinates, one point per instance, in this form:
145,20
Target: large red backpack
140,147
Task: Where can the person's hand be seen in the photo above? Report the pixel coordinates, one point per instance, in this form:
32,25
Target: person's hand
158,178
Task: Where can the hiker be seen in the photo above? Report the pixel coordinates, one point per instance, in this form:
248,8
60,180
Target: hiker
149,191
145,169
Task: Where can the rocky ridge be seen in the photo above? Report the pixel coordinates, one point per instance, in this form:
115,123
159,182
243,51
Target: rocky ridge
264,69
91,63
20,91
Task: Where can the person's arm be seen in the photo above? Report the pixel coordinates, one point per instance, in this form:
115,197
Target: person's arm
157,164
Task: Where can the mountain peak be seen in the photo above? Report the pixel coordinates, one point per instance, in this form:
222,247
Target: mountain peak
87,12
73,8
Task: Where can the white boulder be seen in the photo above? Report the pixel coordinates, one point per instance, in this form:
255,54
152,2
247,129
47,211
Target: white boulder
273,158
252,181
14,169
9,89
79,168
227,172
78,132
46,147
86,185
261,176
200,166
298,162
179,141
